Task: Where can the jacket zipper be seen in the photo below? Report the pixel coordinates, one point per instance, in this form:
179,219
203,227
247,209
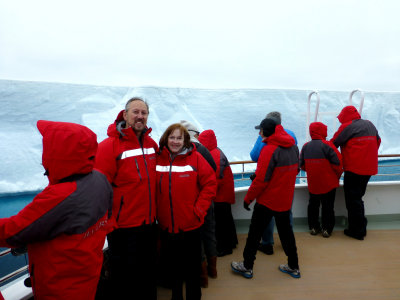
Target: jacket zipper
148,181
170,197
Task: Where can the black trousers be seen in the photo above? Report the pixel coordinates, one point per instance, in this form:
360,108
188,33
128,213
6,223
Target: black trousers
259,221
225,229
132,263
184,252
327,202
354,186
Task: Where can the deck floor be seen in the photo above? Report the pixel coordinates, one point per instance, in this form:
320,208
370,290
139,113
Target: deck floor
336,268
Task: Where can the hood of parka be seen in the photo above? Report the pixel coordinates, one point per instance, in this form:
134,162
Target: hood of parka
280,138
208,139
318,131
68,149
348,113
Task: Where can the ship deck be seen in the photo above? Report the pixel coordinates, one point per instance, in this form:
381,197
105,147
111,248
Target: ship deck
338,267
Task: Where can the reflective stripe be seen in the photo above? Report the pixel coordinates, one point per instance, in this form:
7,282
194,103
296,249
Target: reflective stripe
137,152
178,169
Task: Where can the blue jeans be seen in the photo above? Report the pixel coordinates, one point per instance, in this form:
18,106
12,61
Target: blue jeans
268,234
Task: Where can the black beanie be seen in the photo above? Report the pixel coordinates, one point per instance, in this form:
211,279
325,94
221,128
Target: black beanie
268,126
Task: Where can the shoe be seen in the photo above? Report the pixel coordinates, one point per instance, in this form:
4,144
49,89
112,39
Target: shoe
238,267
224,252
295,273
315,231
353,235
266,248
325,233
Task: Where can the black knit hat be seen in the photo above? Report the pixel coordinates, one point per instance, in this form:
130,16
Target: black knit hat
268,126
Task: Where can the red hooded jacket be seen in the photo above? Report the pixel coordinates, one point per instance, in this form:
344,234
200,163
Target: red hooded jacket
276,172
186,186
321,160
226,186
359,142
66,224
130,166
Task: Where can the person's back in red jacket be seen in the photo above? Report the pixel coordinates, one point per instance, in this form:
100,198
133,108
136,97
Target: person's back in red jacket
359,142
225,230
65,225
323,164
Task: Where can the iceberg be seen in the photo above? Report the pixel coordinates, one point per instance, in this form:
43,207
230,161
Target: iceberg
231,113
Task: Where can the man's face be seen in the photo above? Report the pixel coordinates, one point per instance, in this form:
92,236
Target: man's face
136,116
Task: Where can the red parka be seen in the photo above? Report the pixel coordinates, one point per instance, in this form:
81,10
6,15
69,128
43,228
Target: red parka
186,186
359,142
130,165
321,160
66,224
276,172
226,186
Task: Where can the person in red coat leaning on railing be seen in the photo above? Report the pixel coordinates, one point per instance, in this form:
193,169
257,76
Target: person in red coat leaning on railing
359,142
323,164
225,230
65,225
186,186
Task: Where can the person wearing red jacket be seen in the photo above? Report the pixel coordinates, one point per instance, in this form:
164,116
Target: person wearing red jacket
273,188
225,230
186,186
128,158
65,226
323,164
359,142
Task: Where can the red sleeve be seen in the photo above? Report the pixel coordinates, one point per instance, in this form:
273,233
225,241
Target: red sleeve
106,160
33,221
258,184
208,187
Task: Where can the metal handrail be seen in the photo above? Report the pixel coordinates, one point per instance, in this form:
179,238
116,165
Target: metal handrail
361,101
309,111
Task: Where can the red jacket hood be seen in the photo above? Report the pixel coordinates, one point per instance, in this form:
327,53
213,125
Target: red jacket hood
280,138
68,149
116,128
318,131
208,139
348,113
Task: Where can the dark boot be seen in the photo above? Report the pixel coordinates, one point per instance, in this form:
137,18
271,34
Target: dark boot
204,275
212,266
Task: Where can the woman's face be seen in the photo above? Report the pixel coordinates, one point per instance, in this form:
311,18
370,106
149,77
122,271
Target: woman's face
175,141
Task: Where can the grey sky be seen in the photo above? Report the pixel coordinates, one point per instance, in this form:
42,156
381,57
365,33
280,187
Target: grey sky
308,44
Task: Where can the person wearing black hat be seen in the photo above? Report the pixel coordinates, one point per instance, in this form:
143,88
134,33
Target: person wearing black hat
267,241
273,188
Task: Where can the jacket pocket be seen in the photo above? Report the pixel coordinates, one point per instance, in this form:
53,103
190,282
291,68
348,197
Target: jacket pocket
120,208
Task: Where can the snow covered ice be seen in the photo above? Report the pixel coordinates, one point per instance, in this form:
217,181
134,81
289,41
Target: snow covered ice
231,113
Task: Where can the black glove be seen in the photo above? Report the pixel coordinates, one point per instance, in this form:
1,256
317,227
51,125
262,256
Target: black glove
246,206
252,176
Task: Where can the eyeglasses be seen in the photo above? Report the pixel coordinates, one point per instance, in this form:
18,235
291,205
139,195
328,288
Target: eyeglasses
194,131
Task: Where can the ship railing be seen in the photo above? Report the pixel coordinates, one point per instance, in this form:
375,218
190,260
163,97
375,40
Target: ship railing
243,169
